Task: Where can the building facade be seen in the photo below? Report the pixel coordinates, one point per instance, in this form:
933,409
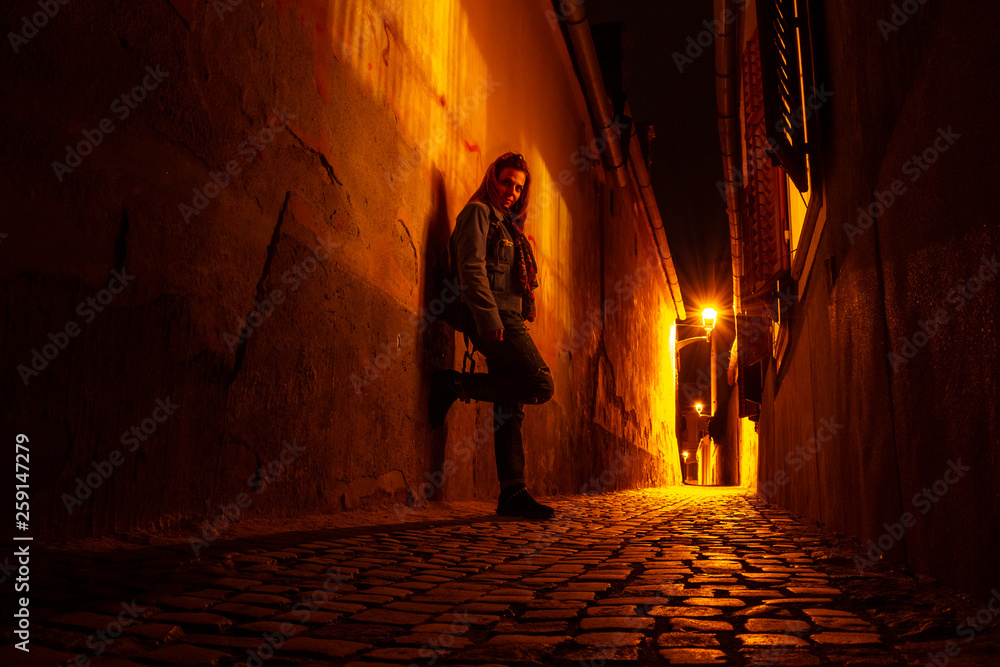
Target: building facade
278,204
859,173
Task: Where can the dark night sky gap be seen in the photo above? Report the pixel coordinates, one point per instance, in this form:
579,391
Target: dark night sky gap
686,156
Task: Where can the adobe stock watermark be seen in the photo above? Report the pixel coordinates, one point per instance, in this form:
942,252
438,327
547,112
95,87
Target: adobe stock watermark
223,7
970,628
132,439
372,369
698,44
263,309
59,340
606,481
958,297
582,158
915,168
22,605
407,164
923,501
464,452
271,642
624,289
601,656
386,16
431,650
798,457
122,107
900,14
775,655
756,327
250,149
760,158
30,27
259,481
565,8
100,640
703,379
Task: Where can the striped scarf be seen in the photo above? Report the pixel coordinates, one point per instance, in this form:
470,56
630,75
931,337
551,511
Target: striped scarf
525,269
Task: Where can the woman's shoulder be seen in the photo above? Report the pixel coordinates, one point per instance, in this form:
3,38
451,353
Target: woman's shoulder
477,210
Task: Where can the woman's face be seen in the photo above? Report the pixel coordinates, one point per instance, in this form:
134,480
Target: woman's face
511,184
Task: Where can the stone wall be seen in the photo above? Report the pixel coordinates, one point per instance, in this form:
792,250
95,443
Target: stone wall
884,346
225,232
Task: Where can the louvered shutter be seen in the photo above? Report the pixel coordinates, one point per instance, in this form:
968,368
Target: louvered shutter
764,204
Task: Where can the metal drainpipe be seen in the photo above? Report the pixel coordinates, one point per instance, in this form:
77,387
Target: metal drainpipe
590,70
593,81
641,176
727,103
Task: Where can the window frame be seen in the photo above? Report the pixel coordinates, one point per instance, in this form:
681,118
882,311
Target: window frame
794,150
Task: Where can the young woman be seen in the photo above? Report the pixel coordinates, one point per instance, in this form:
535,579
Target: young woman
496,268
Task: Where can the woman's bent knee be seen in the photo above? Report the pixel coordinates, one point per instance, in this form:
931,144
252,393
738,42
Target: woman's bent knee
543,388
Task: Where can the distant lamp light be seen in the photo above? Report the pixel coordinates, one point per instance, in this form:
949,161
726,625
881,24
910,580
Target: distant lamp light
698,407
685,454
708,317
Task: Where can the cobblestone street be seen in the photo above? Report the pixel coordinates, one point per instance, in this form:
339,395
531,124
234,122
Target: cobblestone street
667,576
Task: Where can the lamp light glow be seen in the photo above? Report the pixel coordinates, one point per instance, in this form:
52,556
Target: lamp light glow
708,318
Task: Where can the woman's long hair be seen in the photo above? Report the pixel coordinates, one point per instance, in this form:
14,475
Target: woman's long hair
489,190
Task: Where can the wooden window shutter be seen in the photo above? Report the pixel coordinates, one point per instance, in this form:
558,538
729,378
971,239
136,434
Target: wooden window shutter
753,348
764,206
777,27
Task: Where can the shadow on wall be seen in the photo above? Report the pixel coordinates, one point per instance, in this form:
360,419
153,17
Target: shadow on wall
439,339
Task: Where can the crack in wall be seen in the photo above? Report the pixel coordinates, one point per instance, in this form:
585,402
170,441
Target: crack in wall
409,237
388,42
607,379
261,290
179,15
183,145
322,158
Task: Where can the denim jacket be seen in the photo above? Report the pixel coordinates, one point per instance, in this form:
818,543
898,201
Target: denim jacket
482,254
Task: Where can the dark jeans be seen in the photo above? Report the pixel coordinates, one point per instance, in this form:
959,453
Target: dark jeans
517,375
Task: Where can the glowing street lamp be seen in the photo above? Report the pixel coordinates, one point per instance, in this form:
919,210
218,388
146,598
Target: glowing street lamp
708,318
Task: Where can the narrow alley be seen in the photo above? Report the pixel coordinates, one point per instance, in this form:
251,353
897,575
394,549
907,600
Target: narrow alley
500,332
680,575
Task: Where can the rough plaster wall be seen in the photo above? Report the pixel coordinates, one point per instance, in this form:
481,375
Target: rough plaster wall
943,228
340,366
741,448
903,426
636,360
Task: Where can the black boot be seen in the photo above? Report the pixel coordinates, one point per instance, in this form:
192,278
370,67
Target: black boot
516,501
446,388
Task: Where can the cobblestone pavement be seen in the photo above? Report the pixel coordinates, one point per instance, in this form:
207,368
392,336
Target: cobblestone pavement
668,576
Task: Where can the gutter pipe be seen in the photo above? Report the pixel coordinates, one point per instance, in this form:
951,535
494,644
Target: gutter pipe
727,89
578,28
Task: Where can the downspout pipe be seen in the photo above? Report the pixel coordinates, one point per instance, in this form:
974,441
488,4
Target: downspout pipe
578,28
638,166
727,92
590,71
